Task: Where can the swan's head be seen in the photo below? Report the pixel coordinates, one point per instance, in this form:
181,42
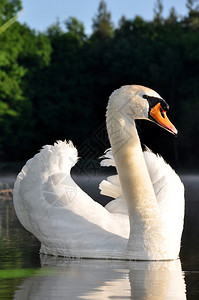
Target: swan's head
139,102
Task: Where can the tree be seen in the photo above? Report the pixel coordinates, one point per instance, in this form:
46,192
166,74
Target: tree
102,24
13,103
55,29
76,28
125,26
9,9
49,79
173,17
193,17
190,5
158,9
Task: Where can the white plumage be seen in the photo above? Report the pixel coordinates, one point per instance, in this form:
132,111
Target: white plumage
69,223
167,185
63,217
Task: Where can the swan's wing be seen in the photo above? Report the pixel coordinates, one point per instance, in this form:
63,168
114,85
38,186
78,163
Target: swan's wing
38,177
111,187
169,191
59,213
167,185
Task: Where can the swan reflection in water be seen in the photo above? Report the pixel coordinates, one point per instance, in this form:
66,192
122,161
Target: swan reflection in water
61,278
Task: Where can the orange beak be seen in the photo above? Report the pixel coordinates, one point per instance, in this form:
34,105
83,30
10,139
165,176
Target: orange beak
158,115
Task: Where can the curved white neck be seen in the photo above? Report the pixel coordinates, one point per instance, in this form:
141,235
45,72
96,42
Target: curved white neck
130,163
147,230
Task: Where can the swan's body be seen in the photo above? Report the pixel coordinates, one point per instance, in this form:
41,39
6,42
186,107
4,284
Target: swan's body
148,193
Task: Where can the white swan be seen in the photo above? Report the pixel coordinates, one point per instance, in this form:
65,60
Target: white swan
69,223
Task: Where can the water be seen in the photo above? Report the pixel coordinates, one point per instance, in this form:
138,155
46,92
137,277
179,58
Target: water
26,275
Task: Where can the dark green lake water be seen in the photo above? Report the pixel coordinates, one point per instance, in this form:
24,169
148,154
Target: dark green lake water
26,275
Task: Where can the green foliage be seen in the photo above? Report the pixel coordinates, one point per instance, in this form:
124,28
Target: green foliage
9,9
158,9
192,19
54,29
102,25
6,25
190,5
173,17
16,273
55,85
76,28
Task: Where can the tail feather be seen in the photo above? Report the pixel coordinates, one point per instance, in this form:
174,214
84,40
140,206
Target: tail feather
62,156
57,159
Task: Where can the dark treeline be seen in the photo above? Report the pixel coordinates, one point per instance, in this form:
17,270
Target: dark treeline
55,85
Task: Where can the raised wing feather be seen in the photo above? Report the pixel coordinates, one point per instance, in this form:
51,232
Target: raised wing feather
60,214
167,185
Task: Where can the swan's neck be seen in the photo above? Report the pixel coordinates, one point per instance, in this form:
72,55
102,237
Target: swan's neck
134,177
147,230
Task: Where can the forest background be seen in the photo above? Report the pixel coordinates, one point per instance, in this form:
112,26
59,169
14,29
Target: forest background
56,84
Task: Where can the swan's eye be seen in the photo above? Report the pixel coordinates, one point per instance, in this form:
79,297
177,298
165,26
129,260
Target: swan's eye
148,98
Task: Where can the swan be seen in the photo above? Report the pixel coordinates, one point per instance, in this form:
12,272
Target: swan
143,222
